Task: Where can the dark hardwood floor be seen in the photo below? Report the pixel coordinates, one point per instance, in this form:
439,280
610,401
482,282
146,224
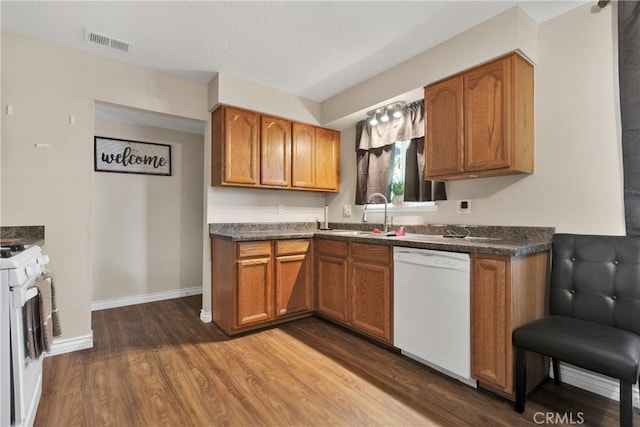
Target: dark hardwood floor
157,364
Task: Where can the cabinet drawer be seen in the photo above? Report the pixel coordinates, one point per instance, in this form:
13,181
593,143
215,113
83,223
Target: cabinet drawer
372,254
287,247
332,247
251,249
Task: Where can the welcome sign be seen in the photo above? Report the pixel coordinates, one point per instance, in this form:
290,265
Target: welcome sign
124,156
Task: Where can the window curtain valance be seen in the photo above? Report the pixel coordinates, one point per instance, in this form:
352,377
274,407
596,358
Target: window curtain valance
375,149
409,126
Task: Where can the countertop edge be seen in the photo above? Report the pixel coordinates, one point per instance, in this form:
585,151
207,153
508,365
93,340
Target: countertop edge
519,248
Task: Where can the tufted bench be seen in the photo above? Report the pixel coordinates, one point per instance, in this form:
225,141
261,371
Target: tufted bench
594,314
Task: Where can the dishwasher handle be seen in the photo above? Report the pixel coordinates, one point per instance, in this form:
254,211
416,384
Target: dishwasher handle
432,259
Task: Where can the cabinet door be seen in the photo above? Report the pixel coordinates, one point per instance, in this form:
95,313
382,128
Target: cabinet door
302,156
444,145
240,147
331,285
327,159
275,151
490,322
370,299
486,106
254,291
294,292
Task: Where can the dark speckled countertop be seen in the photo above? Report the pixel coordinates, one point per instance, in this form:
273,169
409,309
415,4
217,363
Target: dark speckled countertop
31,234
497,240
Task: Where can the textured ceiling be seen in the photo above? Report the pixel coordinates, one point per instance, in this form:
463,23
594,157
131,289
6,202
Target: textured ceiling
306,48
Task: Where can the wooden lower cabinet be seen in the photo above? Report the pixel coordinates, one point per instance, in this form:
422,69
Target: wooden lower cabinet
506,292
293,278
255,284
331,279
356,289
255,289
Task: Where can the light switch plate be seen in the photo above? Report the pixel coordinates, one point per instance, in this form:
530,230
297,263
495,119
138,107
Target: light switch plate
346,210
281,209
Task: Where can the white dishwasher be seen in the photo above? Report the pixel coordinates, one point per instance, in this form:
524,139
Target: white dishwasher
431,307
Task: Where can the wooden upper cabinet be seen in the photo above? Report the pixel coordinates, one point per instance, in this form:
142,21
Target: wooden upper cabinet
250,149
302,159
315,161
487,117
275,151
240,151
444,153
327,159
480,122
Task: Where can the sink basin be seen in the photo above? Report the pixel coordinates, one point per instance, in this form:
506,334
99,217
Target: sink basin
348,232
446,239
482,239
360,233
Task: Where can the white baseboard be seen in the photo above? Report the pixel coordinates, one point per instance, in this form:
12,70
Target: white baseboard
67,345
595,383
141,299
206,316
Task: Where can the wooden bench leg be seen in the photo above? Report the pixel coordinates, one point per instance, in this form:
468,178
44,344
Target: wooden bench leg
521,378
556,370
626,404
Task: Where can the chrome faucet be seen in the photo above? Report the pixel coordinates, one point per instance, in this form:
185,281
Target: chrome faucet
386,202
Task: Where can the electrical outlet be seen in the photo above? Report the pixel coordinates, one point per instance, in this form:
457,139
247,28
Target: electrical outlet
281,209
464,206
346,210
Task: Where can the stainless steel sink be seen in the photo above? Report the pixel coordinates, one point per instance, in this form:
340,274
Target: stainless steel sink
448,239
348,232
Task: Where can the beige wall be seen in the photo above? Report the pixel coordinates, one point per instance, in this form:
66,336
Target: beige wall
506,32
54,186
577,184
147,230
576,187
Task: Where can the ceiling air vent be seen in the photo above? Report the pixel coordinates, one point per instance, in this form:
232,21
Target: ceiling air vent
107,41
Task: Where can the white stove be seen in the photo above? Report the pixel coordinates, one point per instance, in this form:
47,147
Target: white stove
20,375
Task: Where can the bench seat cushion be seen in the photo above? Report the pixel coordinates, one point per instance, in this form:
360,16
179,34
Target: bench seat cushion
604,349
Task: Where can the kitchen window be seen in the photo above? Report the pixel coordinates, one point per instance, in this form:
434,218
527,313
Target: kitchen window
390,160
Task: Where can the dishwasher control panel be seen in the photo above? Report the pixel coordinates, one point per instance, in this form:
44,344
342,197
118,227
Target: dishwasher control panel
430,258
